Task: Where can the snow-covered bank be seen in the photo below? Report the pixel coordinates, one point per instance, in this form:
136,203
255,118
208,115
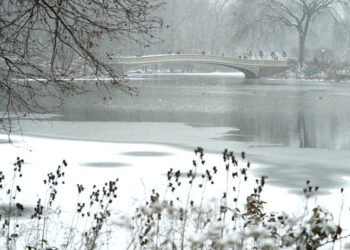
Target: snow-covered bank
286,166
316,72
140,167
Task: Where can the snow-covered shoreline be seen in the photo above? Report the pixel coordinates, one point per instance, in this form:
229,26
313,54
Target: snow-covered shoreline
140,167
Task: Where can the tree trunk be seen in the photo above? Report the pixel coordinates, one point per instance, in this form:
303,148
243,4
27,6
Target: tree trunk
301,51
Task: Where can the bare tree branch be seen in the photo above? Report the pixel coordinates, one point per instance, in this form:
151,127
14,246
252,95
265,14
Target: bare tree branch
45,43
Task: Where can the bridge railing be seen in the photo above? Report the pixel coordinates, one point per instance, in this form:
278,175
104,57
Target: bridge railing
202,59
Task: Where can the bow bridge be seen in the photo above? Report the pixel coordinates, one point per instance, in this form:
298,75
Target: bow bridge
252,68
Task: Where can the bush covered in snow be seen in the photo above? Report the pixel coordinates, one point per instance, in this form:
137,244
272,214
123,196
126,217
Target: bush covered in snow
216,207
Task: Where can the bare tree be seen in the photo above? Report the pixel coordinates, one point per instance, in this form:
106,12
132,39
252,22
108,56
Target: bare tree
299,14
219,7
179,17
45,43
250,31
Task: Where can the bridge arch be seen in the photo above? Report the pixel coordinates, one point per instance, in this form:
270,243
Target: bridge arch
247,72
251,68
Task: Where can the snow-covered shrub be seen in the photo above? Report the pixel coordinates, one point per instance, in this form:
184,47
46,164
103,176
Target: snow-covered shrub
206,207
190,217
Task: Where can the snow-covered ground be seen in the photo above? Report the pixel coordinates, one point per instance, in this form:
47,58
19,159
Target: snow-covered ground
140,168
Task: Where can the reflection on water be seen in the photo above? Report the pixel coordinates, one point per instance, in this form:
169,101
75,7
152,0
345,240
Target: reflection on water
301,193
106,164
279,112
146,154
16,211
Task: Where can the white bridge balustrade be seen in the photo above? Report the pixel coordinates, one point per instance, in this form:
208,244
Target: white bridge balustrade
252,68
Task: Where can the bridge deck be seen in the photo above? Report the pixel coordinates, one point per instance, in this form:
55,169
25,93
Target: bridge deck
250,67
202,59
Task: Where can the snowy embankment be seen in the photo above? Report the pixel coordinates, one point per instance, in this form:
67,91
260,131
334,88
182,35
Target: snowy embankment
140,169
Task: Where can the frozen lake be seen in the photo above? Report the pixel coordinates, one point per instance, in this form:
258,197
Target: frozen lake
291,131
294,130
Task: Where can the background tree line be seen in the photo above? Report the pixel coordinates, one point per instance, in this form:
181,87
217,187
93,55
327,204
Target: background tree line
238,27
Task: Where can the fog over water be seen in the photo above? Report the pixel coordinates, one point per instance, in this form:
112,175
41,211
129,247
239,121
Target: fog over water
293,129
282,112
